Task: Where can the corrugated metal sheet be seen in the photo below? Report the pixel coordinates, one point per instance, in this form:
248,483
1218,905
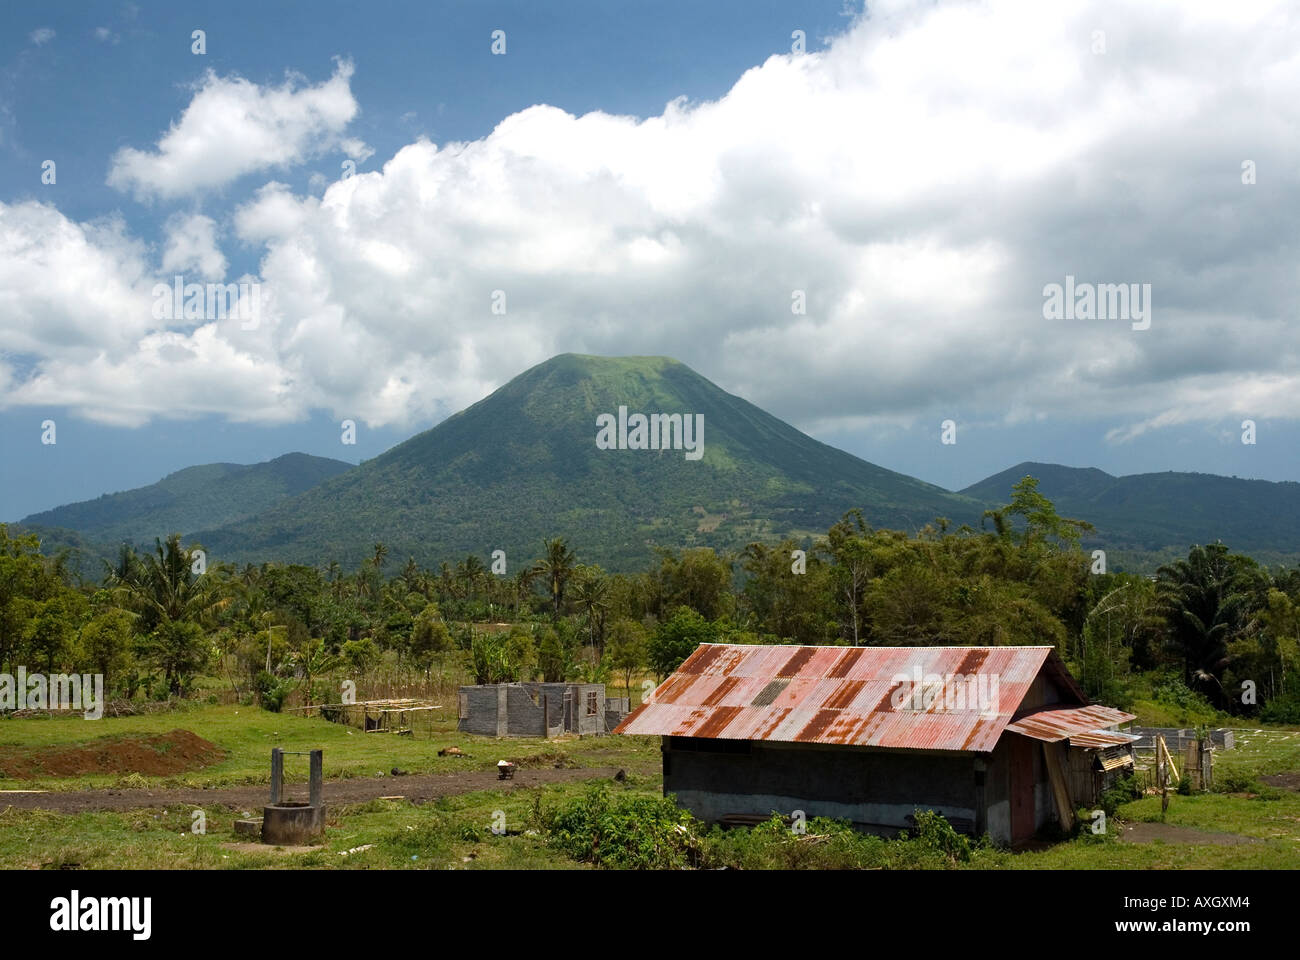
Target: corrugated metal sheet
1053,725
1100,739
933,698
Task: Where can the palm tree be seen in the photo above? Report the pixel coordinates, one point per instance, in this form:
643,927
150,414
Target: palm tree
524,585
314,660
172,602
470,571
592,595
381,552
125,567
558,565
446,580
1206,600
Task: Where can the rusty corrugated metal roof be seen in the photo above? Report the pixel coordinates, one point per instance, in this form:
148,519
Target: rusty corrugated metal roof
1057,724
1100,739
932,698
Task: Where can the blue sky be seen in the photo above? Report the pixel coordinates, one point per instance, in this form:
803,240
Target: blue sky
921,173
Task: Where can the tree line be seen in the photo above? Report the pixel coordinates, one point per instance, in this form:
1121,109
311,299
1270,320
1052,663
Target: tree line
1215,623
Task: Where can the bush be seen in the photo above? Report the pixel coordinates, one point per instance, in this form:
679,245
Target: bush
271,691
935,833
633,832
772,845
1121,791
1229,780
1281,710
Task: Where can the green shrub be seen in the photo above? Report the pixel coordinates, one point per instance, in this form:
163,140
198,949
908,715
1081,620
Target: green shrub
632,832
1121,791
1281,710
271,691
935,833
824,845
1229,780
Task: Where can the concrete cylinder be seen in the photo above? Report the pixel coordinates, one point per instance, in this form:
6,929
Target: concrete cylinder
293,823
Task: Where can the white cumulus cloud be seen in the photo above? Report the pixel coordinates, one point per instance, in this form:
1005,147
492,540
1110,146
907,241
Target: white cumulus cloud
918,183
233,127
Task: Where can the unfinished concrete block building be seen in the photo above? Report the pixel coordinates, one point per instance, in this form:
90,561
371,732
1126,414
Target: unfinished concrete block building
999,740
538,709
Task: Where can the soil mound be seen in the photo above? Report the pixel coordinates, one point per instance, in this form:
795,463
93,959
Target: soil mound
159,755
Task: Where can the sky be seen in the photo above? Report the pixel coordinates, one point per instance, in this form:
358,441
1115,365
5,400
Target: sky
853,217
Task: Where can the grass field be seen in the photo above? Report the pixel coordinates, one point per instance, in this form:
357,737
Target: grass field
247,734
1255,827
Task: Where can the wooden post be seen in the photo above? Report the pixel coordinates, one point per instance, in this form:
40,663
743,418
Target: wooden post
1163,764
317,777
546,715
277,774
1060,791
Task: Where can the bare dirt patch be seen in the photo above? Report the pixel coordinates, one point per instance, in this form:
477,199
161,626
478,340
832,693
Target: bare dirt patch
1171,833
1287,781
556,759
160,755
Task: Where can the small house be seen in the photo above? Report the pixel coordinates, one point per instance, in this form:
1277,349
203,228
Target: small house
538,709
999,740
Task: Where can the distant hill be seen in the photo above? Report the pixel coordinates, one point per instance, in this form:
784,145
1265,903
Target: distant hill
523,464
195,498
1146,518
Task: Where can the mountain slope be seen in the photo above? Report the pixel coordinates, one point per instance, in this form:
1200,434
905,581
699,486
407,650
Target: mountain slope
195,498
523,464
1157,515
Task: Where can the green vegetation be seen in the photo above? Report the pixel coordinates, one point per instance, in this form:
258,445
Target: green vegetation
1212,637
246,736
1147,519
196,498
521,465
187,642
611,824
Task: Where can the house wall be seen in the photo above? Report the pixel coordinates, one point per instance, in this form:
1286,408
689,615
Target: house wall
583,722
521,709
477,708
532,704
997,794
874,789
1082,777
998,791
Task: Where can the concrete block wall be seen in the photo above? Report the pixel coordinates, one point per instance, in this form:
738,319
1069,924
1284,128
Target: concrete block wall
477,710
521,709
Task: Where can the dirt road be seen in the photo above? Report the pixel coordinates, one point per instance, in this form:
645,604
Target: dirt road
253,798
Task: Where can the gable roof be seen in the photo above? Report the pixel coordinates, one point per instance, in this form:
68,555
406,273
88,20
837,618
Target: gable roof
848,695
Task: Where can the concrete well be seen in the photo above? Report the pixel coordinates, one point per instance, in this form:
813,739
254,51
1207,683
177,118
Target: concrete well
293,823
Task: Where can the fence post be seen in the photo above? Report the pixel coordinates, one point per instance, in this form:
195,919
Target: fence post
277,774
317,776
